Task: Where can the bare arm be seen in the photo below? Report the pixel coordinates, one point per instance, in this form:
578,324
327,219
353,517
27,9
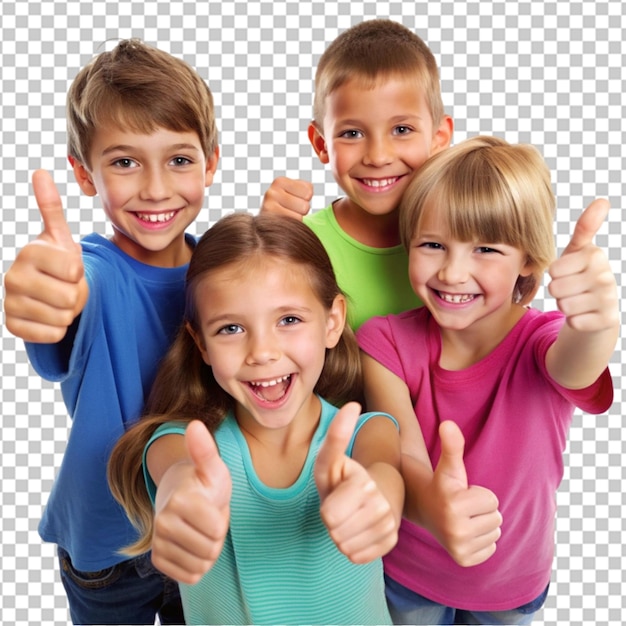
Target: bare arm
586,292
463,518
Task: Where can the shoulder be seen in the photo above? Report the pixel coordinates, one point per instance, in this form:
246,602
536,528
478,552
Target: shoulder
395,325
316,219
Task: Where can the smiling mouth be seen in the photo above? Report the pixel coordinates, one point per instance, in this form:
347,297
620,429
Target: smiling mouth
380,183
271,390
456,298
156,218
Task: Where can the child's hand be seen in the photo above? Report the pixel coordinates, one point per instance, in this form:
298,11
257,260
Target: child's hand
45,286
358,516
192,510
582,281
466,519
288,196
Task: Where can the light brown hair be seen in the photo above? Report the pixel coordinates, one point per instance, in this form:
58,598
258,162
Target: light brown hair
138,88
185,388
492,191
372,51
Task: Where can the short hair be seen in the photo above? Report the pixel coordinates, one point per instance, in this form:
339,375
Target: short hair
492,191
139,88
374,50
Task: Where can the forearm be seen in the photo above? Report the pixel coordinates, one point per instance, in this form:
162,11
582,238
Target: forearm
391,484
577,359
417,478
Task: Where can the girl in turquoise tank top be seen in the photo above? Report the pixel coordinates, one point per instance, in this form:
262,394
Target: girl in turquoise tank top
270,504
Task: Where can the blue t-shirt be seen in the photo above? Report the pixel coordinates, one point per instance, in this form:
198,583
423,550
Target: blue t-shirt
279,565
106,365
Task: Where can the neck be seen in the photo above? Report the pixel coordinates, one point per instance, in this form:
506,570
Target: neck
376,231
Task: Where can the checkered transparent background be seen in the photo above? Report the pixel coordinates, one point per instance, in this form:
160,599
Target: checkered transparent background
550,73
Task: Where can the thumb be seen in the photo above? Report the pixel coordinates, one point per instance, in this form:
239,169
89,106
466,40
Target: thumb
331,456
55,226
204,455
451,466
588,225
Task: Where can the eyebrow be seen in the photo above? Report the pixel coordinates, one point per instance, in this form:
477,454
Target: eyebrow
128,148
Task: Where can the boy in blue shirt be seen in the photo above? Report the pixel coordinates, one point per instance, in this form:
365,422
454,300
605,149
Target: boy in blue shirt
97,317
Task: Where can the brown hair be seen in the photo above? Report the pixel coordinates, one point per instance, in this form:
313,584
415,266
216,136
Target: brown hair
139,88
374,50
490,190
185,389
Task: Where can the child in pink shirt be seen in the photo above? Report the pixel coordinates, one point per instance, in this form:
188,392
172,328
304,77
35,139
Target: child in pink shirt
493,383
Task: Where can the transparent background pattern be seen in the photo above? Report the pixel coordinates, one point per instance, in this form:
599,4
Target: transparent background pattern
549,73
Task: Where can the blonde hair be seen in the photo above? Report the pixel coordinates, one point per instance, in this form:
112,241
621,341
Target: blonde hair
185,388
139,88
492,191
377,50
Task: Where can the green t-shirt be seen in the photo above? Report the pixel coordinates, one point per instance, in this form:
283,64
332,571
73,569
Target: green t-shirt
375,280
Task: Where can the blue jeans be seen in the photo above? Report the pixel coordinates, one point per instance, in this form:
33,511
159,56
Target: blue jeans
408,607
131,592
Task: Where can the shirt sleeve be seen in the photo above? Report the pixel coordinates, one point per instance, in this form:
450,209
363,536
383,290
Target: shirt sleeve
376,338
595,399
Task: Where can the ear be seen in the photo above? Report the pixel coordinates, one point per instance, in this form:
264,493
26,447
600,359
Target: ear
443,135
318,142
336,321
211,166
528,268
83,177
199,341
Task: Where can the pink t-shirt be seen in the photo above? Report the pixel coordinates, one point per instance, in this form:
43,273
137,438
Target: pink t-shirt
515,421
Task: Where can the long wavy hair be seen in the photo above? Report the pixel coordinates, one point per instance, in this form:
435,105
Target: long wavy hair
185,389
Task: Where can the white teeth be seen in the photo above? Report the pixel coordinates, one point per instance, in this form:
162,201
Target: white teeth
456,298
270,383
379,182
155,218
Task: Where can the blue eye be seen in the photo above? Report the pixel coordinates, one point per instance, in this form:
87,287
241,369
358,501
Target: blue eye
403,130
230,329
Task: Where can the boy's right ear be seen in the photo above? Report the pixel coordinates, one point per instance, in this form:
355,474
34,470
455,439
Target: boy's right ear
83,177
318,142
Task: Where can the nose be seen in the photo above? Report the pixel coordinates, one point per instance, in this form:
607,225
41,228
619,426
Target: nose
454,270
263,348
155,185
378,152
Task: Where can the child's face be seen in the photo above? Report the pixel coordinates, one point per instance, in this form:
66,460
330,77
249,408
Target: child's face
465,285
151,188
264,333
375,139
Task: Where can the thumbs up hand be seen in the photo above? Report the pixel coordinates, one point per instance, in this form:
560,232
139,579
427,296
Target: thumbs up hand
465,519
358,516
45,286
288,196
192,510
582,281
